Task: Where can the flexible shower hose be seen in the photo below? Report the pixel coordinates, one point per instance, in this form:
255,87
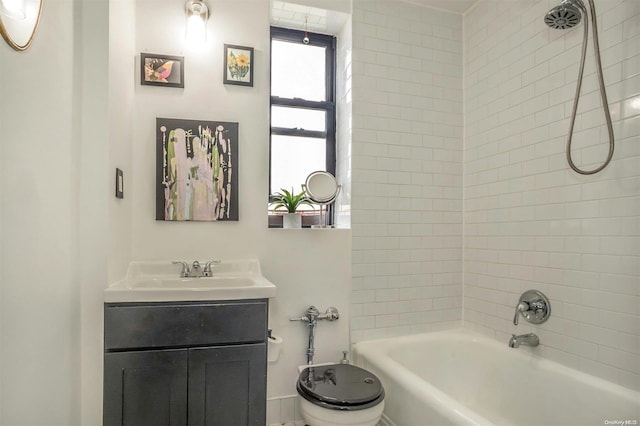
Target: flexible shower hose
603,93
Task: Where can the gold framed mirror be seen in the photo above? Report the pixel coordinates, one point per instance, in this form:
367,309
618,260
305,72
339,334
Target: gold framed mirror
19,21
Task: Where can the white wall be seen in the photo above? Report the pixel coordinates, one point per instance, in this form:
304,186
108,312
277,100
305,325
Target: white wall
308,266
2,279
92,123
531,222
54,186
39,289
122,81
105,236
1,263
406,211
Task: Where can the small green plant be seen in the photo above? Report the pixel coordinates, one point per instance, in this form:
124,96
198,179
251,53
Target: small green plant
289,200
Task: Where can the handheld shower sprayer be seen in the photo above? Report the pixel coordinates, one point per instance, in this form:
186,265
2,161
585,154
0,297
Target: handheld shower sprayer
567,15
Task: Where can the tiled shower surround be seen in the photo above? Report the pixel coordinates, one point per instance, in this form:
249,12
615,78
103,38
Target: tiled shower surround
487,96
530,221
406,169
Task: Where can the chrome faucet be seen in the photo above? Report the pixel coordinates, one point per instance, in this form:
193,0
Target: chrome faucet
529,339
196,270
311,317
207,272
186,272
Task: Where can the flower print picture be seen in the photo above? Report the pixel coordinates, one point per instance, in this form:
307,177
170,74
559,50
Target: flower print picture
238,65
161,70
196,170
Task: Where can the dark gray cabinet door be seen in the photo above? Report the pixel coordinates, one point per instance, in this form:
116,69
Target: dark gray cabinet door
145,388
228,385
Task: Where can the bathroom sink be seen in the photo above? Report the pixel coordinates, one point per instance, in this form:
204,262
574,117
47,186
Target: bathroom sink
194,283
161,282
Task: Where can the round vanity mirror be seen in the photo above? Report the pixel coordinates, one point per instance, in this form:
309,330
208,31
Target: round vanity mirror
19,21
321,187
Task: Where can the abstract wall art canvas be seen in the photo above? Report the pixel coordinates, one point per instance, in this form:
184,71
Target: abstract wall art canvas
196,170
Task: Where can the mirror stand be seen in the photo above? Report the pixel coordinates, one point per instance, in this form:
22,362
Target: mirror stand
321,189
324,209
322,220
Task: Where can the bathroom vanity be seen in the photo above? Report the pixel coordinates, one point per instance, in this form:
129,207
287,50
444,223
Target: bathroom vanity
184,361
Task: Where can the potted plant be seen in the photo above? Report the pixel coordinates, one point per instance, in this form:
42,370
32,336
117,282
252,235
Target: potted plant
290,201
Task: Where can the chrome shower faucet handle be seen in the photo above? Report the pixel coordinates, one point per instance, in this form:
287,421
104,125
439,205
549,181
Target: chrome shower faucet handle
534,307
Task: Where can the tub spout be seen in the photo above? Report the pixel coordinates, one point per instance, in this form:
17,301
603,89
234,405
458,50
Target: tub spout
524,339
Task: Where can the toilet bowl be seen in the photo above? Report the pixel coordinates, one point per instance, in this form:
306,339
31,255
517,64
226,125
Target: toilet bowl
339,395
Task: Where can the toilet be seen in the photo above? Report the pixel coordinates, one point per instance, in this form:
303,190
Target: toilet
339,394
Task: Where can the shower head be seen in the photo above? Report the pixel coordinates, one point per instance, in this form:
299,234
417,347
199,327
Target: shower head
564,16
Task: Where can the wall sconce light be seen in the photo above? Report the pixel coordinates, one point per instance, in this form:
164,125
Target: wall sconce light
197,16
13,9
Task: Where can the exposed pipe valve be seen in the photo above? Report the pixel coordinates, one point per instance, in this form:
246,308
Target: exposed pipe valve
311,317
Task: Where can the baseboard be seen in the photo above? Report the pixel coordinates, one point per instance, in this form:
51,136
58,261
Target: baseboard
283,410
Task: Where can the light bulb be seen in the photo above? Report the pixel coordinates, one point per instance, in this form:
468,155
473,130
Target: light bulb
196,31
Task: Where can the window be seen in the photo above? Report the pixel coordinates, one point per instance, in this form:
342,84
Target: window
303,117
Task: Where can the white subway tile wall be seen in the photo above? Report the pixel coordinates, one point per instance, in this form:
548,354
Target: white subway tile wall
531,222
343,130
406,198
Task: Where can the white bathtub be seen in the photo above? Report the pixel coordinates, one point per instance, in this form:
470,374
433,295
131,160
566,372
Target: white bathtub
459,377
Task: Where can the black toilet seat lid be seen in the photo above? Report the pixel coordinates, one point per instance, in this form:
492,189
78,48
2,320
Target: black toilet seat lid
340,384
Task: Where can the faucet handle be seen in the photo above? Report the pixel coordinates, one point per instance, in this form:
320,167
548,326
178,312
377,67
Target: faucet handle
185,268
522,307
312,314
331,314
534,307
207,267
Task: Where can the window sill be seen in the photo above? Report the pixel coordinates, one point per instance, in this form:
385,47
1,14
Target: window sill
309,222
308,228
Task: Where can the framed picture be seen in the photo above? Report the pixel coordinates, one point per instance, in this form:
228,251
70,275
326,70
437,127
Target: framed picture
161,70
238,65
196,170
